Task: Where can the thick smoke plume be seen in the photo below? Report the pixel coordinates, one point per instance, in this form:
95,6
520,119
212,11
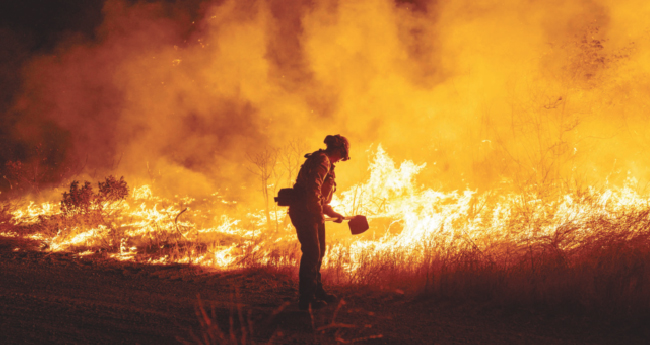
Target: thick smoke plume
488,93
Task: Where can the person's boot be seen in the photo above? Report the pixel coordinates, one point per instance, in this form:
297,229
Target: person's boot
327,297
315,304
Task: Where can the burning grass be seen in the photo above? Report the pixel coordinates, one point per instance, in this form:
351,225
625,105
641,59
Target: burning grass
584,251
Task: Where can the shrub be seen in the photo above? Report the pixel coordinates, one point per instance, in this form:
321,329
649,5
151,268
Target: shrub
83,209
112,190
83,200
79,200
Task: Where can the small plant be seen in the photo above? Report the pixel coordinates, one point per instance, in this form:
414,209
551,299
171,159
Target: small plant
78,200
83,200
81,208
113,190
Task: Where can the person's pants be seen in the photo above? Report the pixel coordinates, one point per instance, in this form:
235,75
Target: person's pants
311,235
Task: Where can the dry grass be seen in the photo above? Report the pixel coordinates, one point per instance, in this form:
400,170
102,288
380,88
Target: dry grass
596,264
593,258
243,327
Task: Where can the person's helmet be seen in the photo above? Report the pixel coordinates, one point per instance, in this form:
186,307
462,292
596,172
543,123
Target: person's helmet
338,142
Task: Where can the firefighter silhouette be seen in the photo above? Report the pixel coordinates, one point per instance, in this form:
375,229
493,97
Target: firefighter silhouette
314,188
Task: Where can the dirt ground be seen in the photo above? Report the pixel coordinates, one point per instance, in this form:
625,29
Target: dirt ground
61,298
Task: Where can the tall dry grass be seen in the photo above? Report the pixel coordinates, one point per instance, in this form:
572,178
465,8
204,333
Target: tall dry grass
582,251
595,261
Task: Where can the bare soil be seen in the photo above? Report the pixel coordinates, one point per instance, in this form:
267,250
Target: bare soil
63,298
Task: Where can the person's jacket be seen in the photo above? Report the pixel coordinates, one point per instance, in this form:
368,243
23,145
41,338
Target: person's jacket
315,184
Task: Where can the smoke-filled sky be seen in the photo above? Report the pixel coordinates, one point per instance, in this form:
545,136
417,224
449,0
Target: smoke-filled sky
485,92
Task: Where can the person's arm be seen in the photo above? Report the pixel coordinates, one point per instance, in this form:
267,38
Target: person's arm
329,211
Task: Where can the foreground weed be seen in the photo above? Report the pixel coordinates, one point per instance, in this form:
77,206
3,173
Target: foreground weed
241,329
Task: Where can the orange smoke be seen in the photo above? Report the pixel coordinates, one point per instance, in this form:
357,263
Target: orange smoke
489,93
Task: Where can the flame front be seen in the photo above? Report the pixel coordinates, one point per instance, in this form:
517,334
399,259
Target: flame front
408,225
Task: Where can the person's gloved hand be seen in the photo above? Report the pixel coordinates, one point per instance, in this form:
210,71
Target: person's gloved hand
339,218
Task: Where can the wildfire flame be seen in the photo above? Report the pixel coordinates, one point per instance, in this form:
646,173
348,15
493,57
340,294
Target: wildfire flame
402,217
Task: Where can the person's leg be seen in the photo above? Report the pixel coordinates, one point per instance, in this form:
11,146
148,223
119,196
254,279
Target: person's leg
319,292
321,245
307,232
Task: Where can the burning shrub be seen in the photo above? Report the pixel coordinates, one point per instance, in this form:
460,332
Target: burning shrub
83,209
83,200
78,201
113,190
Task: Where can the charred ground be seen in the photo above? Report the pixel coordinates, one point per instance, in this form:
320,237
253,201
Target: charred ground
63,298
